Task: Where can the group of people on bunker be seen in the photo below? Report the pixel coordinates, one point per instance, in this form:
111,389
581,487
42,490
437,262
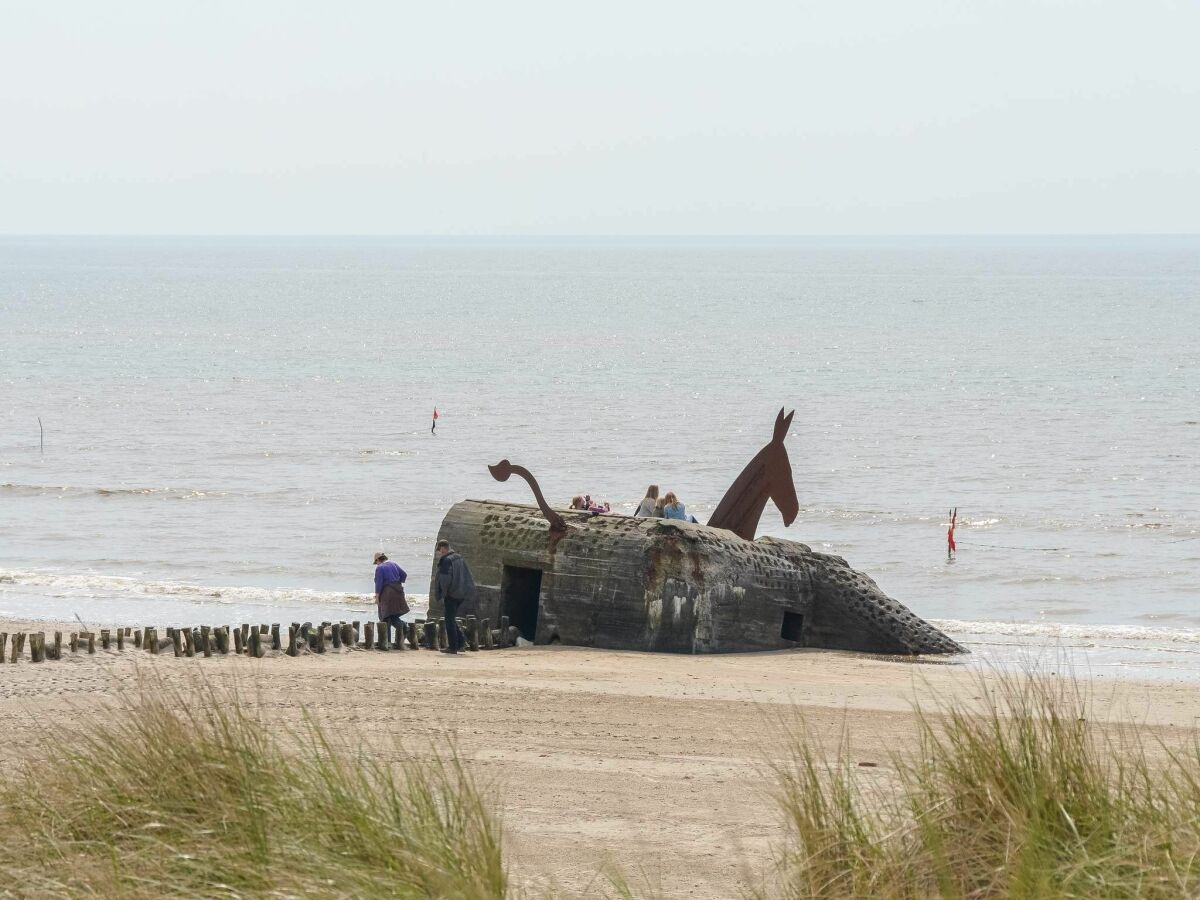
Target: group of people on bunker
668,506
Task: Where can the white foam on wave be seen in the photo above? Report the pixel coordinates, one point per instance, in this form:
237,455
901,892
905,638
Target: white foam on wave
85,584
66,490
1073,632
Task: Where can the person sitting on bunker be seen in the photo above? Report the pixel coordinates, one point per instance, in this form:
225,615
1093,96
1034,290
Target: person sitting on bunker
647,506
389,590
674,509
455,587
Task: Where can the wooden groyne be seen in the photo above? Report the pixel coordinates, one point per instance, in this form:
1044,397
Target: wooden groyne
299,639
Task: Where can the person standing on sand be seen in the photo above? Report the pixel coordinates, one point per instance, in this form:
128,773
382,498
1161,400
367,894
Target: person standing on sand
454,586
389,590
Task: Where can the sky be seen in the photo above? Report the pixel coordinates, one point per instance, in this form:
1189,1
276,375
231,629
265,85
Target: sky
663,118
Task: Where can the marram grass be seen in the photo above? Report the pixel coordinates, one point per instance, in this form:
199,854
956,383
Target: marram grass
192,796
1017,796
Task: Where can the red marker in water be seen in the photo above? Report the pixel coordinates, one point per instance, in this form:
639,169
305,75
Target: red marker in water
433,427
951,548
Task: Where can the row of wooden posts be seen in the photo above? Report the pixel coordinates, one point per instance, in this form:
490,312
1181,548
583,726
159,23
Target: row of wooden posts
255,640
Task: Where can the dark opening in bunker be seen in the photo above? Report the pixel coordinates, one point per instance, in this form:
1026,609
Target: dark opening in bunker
521,599
793,627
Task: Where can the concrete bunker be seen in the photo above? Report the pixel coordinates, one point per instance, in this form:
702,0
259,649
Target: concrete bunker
634,583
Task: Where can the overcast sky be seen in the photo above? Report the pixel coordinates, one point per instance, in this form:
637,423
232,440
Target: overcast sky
836,117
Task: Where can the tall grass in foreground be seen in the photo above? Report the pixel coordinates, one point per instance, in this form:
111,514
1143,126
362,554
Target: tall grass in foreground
1015,797
194,797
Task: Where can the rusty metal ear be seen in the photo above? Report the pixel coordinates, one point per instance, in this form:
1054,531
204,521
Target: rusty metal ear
781,425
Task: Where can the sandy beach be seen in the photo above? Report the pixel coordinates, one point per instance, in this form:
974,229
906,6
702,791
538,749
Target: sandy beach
650,762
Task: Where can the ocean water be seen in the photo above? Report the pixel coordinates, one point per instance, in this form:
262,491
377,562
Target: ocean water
234,426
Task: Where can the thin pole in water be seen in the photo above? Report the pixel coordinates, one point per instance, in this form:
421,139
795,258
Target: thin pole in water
41,435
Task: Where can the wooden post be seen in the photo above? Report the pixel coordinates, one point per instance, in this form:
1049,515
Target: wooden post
189,643
245,637
37,646
320,635
485,633
431,630
18,645
348,636
357,631
237,641
368,636
150,636
291,647
121,638
205,646
3,644
276,643
91,638
382,630
335,635
57,645
137,639
255,647
176,641
74,642
105,638
472,633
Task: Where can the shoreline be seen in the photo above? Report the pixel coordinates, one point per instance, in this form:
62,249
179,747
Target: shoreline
647,761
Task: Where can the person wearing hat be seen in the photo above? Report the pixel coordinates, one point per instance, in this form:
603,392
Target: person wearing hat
389,590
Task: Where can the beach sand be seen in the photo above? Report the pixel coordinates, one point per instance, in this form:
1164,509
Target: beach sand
652,763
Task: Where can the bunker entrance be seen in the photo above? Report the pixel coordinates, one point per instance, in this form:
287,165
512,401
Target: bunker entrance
793,627
521,599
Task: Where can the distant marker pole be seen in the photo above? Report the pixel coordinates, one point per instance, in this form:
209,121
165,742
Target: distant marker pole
433,427
41,436
951,547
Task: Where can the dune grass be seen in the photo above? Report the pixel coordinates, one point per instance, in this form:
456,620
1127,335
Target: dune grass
1016,796
188,793
192,796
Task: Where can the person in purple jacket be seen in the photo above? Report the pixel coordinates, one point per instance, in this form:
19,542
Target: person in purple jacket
389,590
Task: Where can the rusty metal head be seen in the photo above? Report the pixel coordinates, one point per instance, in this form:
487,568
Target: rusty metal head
767,477
501,472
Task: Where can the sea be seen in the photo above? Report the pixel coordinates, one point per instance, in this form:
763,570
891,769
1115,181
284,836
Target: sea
227,429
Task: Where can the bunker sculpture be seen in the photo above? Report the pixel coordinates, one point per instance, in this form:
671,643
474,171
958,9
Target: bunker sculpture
629,583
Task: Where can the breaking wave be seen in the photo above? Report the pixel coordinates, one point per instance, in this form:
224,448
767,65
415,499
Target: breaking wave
41,490
76,585
1106,634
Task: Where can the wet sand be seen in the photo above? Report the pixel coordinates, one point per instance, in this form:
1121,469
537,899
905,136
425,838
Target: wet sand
650,762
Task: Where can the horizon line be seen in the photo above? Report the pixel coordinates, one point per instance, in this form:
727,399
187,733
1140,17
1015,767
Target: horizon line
598,236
